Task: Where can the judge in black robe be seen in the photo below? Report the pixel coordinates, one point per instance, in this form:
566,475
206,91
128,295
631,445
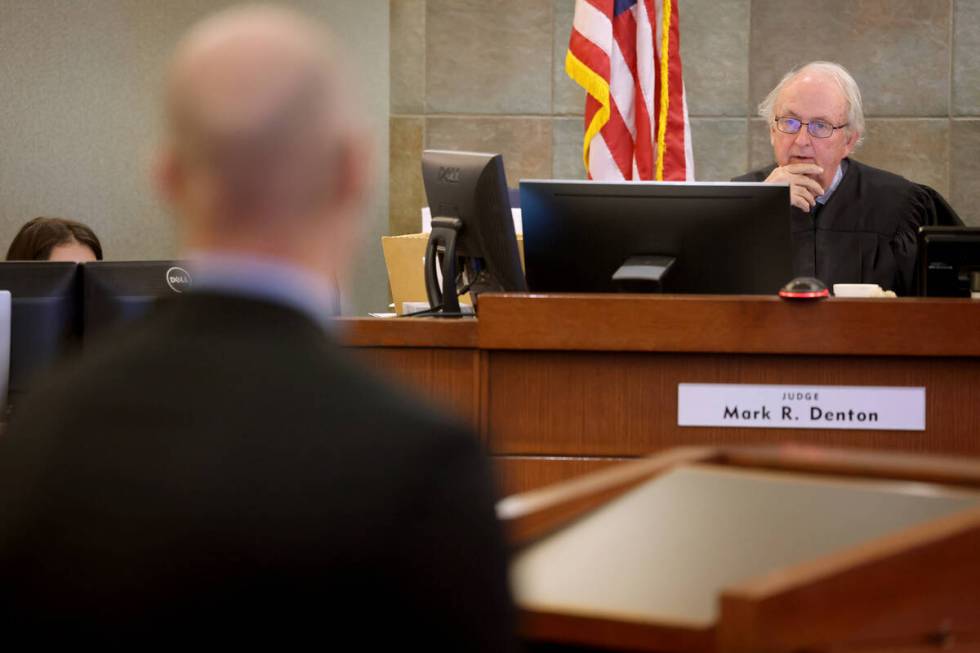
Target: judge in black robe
866,231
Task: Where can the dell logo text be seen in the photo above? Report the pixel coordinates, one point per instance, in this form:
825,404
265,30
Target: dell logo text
449,175
178,279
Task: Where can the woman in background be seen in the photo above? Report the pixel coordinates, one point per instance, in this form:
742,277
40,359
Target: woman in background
55,239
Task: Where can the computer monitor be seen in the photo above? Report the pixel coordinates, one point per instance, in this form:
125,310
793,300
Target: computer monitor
115,292
596,237
947,258
44,320
472,242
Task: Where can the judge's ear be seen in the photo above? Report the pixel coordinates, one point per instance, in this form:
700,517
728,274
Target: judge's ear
851,142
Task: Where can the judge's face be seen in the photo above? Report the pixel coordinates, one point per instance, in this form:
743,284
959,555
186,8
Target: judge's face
813,97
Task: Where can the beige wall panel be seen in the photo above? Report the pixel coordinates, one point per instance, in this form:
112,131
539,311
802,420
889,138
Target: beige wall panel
916,149
567,137
715,53
406,193
965,170
898,50
488,57
720,146
407,56
524,142
567,96
966,58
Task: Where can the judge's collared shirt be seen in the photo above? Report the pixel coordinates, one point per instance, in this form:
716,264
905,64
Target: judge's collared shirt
835,182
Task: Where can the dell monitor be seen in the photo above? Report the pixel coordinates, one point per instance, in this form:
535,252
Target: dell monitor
116,292
597,237
947,260
472,242
44,320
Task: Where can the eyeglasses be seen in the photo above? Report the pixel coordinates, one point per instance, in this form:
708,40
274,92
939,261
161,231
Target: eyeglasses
816,128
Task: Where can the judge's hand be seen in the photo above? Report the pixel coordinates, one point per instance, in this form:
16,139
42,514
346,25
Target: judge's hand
803,190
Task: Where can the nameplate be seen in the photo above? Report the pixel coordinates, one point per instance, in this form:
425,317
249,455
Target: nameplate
801,407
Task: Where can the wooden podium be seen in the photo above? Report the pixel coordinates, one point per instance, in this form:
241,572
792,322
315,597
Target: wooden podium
770,549
557,385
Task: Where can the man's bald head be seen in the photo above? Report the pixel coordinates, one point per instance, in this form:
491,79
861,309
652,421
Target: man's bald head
258,118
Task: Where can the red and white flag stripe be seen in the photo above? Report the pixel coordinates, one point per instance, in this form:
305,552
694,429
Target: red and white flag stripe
626,54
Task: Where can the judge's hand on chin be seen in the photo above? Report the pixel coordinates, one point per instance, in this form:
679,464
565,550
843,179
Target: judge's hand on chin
803,190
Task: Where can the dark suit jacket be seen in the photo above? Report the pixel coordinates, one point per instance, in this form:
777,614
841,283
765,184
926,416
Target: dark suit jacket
866,233
222,473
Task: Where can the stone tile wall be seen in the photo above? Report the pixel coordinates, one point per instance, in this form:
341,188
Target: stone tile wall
489,75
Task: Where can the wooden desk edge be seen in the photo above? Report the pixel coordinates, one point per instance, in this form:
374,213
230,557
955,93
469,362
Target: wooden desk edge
437,333
908,327
731,324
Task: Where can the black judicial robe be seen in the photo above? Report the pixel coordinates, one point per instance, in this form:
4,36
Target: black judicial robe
865,233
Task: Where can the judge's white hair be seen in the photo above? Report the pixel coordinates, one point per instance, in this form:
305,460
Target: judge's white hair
837,72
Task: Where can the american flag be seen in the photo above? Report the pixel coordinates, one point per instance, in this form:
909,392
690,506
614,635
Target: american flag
626,55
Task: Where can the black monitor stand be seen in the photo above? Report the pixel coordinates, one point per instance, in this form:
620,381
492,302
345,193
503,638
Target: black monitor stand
472,242
441,253
643,274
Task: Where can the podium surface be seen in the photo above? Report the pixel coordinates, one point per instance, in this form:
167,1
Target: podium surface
665,551
557,385
721,550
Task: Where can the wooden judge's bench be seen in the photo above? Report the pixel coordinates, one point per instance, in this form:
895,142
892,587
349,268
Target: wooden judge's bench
730,539
557,385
